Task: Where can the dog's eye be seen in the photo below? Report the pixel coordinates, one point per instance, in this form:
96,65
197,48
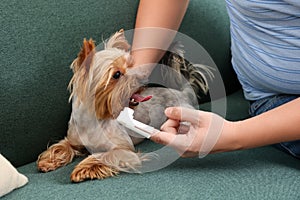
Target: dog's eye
117,75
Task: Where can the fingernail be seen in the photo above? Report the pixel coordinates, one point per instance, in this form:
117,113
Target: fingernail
168,111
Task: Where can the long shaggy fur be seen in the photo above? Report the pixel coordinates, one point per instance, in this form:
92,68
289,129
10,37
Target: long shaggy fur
100,88
196,75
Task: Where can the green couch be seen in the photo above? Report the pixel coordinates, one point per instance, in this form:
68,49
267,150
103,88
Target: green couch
39,40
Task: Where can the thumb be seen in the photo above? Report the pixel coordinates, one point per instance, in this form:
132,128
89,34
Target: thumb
183,114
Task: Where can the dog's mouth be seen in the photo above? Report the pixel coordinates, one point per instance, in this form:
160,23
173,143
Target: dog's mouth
137,98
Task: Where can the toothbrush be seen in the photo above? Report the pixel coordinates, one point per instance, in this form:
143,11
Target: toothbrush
126,119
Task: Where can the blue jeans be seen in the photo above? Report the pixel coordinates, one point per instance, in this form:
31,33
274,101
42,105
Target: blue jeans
268,103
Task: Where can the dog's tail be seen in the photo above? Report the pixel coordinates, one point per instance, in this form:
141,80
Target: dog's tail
186,73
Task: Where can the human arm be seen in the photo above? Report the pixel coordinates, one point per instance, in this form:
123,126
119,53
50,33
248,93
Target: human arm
281,124
153,29
278,125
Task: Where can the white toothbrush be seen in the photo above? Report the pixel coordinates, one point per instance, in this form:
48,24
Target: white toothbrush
126,119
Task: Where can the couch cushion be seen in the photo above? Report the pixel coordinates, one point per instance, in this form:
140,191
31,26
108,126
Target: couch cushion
262,173
232,107
39,40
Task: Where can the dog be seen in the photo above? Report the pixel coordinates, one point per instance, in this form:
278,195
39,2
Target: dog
103,83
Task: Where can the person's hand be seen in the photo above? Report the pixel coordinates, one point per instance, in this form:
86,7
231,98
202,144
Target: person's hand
195,133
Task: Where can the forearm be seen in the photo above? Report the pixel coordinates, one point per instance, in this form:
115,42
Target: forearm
164,14
159,15
278,125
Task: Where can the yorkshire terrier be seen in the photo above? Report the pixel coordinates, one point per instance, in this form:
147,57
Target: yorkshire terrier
103,83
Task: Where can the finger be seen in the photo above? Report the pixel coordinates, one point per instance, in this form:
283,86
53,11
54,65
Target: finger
171,130
178,142
170,126
183,114
175,127
164,138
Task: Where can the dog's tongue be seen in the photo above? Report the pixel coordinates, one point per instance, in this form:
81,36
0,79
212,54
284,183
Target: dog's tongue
140,98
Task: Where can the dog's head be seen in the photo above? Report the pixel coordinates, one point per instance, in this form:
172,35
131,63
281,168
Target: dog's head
102,80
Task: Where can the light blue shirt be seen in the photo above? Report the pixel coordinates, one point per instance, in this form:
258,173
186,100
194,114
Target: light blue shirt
265,45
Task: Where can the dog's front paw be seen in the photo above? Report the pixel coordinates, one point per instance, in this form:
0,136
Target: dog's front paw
57,155
90,168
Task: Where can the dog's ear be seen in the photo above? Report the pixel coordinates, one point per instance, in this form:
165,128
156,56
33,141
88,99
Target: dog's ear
81,66
86,54
118,40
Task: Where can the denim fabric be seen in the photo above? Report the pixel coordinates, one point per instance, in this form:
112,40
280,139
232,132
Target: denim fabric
268,103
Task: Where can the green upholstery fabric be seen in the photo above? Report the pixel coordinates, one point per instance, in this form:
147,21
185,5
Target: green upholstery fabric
39,40
255,174
236,108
